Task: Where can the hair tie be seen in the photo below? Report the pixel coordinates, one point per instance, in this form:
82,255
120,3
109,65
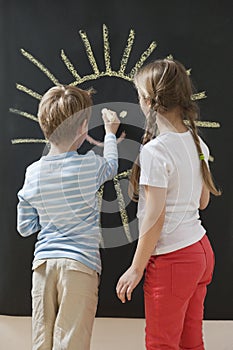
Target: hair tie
201,156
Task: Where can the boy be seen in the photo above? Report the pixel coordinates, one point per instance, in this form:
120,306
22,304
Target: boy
59,200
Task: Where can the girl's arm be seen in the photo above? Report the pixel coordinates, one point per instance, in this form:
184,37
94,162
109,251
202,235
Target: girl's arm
205,198
149,235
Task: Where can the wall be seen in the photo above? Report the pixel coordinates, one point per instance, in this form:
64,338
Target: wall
195,32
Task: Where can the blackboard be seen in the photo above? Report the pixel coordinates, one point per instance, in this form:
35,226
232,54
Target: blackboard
197,33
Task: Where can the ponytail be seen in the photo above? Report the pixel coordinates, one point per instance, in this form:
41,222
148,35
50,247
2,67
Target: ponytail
150,133
206,174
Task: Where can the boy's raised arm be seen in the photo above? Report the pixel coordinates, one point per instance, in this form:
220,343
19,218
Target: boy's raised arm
108,164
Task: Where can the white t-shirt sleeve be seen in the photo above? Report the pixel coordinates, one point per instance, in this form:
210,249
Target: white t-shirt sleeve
155,166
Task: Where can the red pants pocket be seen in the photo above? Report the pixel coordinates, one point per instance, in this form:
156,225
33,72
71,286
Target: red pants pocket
185,278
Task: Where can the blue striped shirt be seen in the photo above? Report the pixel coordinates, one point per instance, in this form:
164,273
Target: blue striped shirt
59,199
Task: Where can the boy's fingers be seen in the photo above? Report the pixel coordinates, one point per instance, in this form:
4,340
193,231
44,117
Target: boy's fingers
114,115
109,116
105,119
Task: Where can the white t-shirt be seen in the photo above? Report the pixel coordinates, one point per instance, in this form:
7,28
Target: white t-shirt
171,161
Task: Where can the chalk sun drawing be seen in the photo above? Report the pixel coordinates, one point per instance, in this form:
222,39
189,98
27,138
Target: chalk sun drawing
96,74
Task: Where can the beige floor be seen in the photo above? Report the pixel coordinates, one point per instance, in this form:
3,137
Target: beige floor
111,334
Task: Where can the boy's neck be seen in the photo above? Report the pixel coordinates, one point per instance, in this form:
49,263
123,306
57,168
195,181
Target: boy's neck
59,149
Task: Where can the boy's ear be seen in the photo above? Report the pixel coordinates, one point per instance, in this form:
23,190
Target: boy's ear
84,124
82,129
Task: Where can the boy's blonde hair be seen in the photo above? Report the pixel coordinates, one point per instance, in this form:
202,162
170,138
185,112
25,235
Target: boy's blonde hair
62,110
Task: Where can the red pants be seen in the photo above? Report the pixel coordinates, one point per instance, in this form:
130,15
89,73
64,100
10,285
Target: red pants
175,289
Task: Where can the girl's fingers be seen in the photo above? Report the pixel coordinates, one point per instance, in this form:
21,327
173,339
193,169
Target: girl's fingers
121,294
118,287
121,291
129,293
125,291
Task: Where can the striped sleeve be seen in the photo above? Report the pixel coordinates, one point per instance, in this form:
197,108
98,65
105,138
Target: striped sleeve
27,216
108,164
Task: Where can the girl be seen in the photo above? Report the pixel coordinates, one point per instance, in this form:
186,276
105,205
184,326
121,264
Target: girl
172,182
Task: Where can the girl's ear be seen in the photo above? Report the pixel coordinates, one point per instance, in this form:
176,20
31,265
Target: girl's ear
148,102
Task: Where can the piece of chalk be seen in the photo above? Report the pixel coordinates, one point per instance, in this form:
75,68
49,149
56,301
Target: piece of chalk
108,114
123,114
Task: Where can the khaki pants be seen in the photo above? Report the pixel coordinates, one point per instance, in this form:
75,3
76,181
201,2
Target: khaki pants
64,302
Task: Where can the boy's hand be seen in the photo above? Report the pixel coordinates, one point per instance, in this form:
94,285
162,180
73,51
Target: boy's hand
126,284
111,120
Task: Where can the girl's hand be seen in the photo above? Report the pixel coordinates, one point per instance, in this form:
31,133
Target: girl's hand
126,284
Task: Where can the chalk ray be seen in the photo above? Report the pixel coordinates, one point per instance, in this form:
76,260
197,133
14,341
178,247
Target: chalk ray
89,51
24,114
142,59
38,64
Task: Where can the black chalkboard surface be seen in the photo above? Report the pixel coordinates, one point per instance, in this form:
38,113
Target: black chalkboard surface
33,34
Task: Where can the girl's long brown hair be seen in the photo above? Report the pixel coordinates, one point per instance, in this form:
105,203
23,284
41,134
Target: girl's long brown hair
166,85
